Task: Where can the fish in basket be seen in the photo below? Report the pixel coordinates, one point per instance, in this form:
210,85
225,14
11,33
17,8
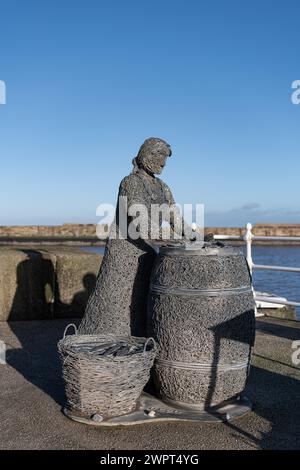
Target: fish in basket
104,375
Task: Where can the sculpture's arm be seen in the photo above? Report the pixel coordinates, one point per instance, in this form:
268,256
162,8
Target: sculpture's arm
174,217
177,223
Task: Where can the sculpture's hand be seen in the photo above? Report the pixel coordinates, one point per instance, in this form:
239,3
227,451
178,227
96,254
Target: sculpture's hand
209,237
191,233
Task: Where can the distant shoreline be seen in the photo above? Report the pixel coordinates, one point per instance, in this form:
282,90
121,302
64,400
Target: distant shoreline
101,243
85,234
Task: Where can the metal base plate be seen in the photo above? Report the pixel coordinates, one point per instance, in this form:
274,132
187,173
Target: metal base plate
152,410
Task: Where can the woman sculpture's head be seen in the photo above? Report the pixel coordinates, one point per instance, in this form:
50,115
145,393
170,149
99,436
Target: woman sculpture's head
152,155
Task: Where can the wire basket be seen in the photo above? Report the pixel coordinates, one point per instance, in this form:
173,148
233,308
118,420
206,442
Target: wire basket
105,375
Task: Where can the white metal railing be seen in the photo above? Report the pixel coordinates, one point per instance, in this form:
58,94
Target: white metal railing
248,237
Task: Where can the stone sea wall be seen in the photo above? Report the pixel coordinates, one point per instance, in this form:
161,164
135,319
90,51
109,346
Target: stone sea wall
86,233
266,230
61,232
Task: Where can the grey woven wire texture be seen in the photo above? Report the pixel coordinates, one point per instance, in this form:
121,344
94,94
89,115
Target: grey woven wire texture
104,375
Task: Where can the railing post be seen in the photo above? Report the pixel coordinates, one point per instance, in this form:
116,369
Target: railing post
248,239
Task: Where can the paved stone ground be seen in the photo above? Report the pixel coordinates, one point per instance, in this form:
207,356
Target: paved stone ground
32,396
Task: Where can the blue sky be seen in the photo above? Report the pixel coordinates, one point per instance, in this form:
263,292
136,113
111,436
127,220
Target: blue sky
88,81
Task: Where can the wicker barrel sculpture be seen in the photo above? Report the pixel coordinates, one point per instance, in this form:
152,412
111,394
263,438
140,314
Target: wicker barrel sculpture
201,313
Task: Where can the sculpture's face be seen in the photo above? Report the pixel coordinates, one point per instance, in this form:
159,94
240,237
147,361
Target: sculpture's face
154,162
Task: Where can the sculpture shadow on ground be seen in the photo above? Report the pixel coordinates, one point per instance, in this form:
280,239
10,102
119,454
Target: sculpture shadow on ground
75,309
35,284
37,357
274,395
283,328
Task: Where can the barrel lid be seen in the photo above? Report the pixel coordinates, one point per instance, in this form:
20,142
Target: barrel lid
186,248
